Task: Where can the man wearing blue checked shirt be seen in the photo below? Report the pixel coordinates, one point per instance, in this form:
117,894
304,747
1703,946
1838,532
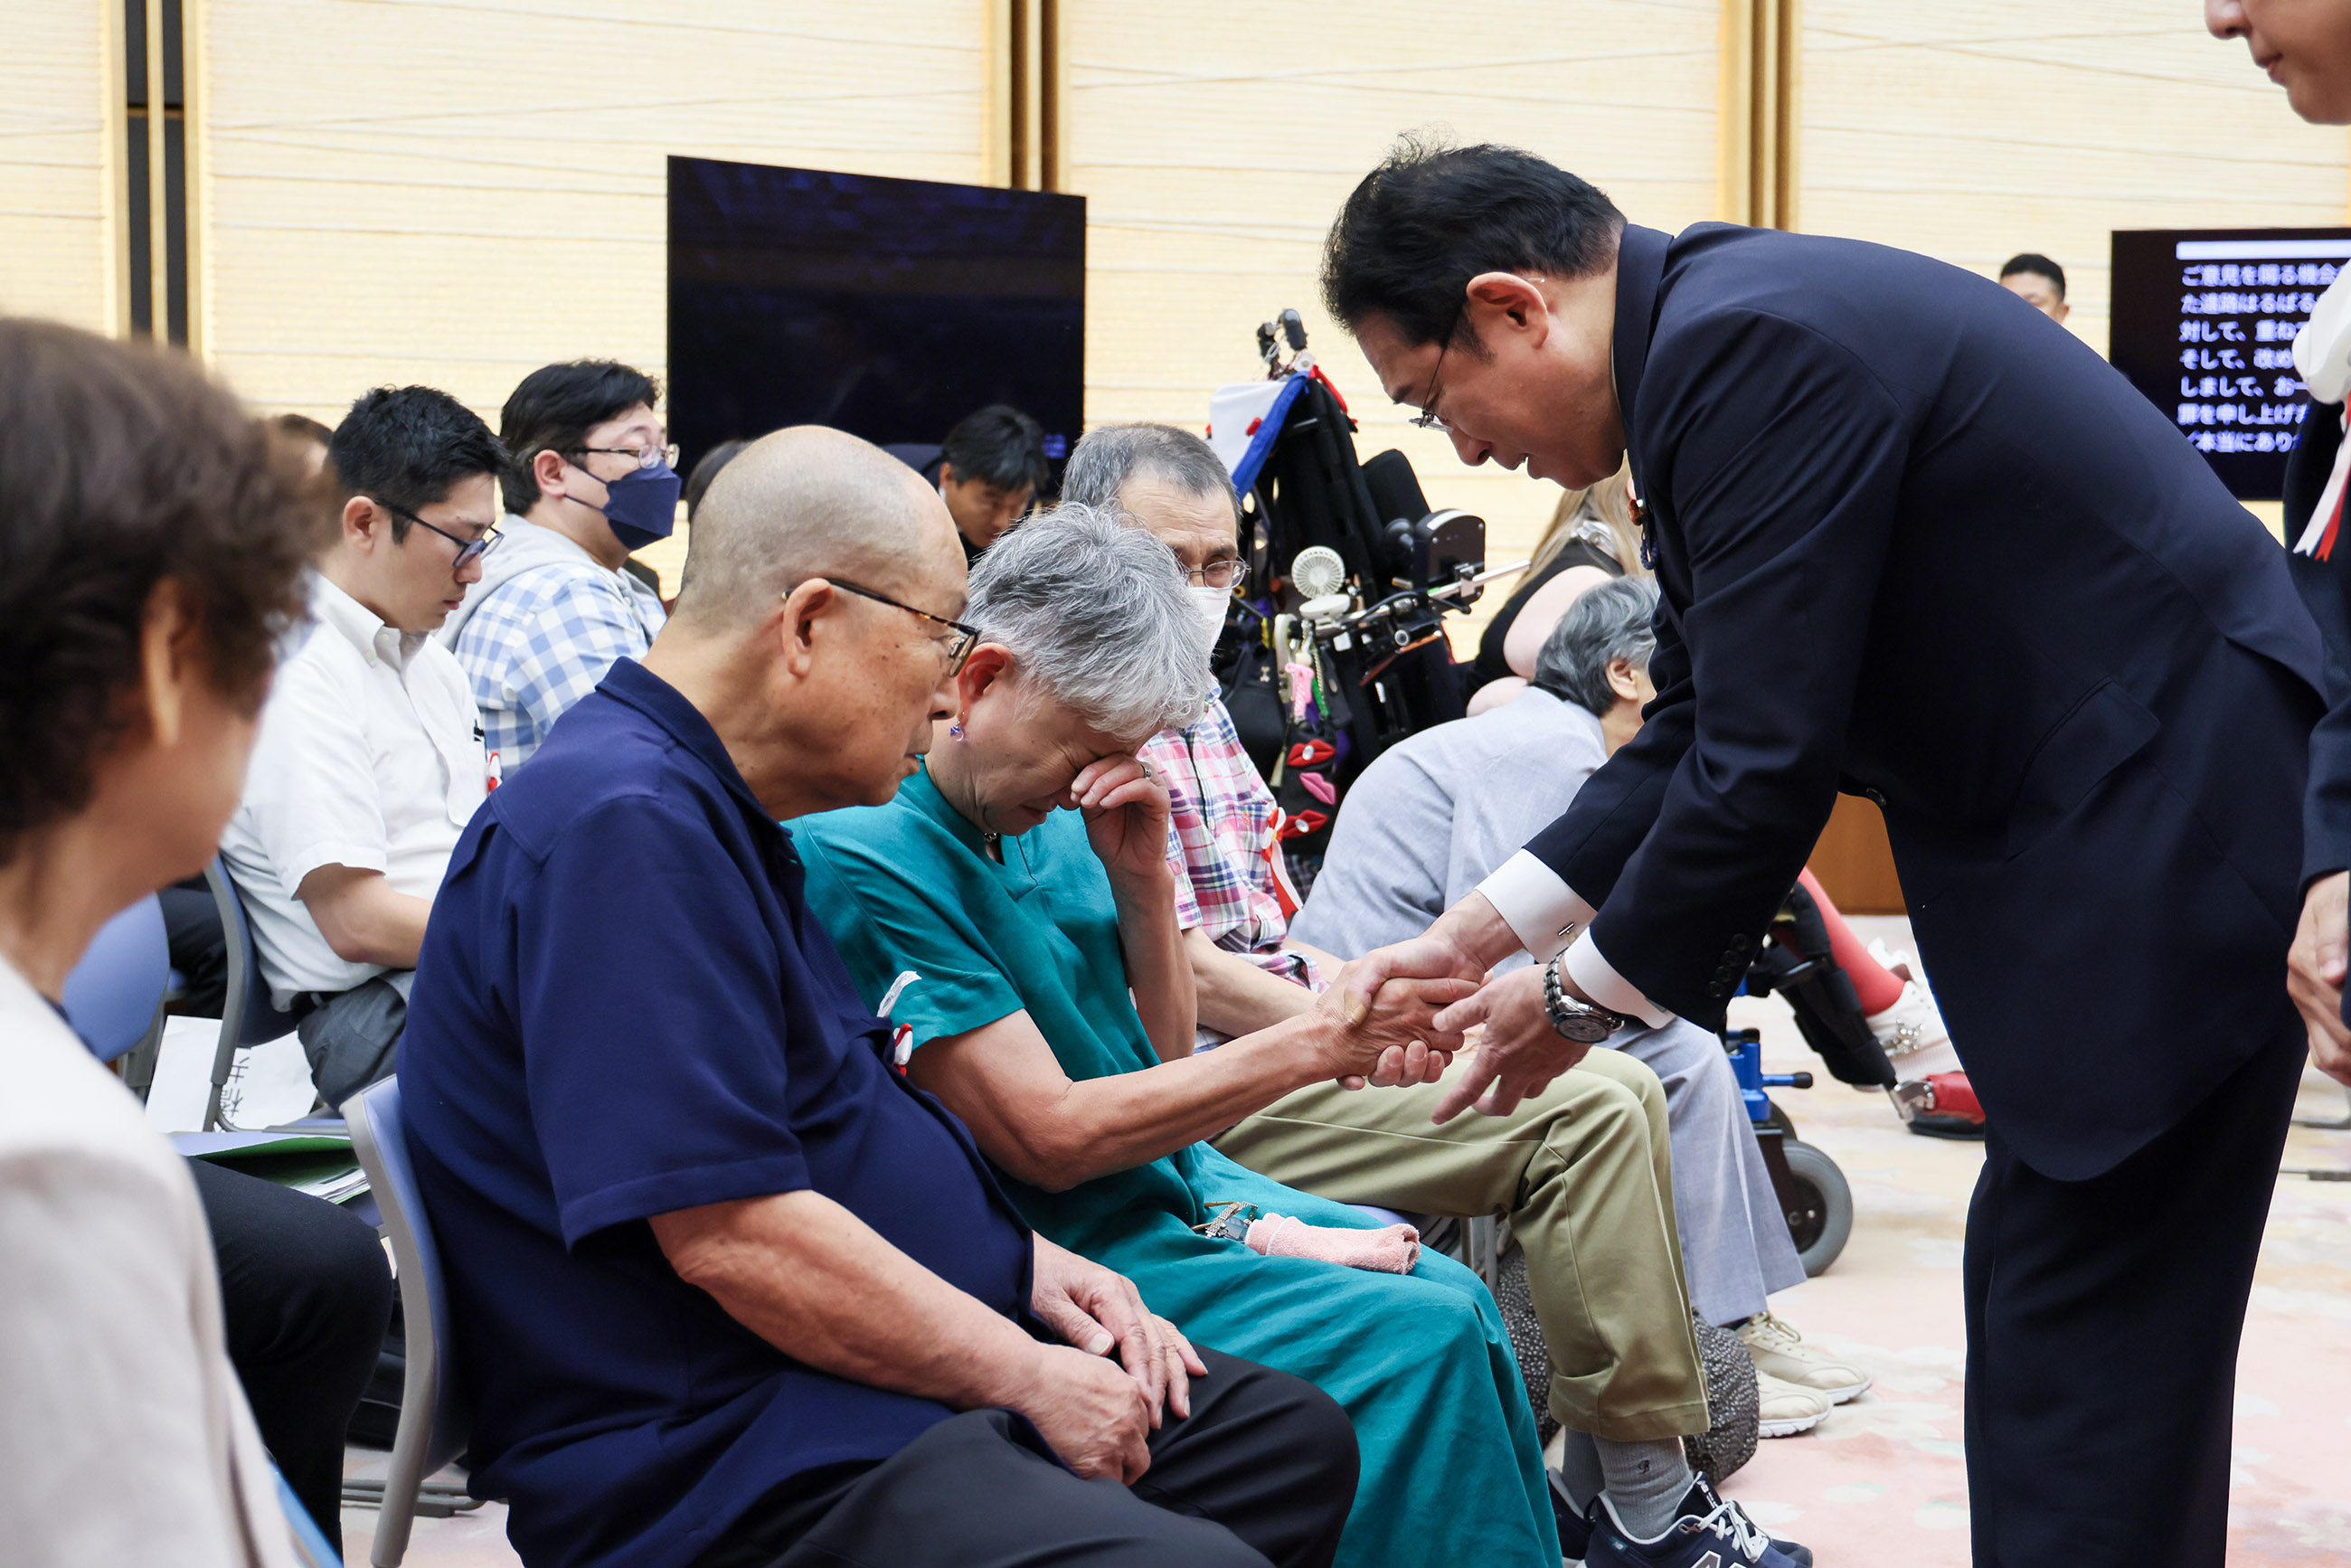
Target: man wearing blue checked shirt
591,480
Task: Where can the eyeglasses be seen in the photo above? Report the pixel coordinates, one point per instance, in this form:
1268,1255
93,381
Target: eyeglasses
1427,418
1229,574
967,637
644,456
467,550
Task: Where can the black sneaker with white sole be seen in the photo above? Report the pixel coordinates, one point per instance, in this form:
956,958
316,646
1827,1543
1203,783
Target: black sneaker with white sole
1711,1531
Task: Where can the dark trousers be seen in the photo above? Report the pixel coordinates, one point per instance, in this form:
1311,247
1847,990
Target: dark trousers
305,1293
2103,1321
199,948
1262,1471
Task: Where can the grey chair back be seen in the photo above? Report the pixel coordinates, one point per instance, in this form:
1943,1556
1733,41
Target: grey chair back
432,1430
248,1018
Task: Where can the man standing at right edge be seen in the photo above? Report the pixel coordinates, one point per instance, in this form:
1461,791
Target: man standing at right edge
1914,540
2306,49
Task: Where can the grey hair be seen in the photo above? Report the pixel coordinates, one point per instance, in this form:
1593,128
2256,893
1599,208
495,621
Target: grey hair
1614,621
1094,611
1109,456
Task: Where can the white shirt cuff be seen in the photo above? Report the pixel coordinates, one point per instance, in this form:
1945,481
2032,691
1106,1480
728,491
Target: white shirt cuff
1537,905
1598,978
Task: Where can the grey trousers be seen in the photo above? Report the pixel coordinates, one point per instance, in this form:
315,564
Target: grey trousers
1735,1244
352,1038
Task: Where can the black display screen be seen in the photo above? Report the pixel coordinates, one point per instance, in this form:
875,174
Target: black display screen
889,308
2203,324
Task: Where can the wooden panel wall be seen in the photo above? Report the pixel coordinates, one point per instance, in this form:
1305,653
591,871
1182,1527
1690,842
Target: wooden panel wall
59,93
1216,140
458,192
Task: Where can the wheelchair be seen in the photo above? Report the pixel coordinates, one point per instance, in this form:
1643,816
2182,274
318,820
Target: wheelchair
1797,965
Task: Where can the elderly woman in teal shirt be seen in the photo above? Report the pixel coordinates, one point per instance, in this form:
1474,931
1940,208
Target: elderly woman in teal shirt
1012,906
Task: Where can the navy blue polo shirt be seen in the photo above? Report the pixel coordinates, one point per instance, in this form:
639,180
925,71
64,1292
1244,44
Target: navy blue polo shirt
624,1007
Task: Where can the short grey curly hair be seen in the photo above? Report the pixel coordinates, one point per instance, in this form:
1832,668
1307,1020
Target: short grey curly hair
1614,621
1094,611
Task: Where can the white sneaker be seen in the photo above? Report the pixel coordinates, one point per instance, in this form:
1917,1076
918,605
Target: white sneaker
1912,1035
1779,1356
1783,1409
1900,962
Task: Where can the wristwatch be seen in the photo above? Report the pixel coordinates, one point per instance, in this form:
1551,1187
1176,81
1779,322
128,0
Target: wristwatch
1574,1019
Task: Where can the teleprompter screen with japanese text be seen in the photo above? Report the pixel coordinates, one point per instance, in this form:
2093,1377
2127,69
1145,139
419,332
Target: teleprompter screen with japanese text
2203,324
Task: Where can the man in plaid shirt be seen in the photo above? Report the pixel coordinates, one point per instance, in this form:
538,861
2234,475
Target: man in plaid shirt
555,608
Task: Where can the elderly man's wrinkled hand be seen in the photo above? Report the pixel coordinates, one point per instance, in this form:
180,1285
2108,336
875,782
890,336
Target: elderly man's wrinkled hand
2314,973
1094,1416
1395,1042
1098,1309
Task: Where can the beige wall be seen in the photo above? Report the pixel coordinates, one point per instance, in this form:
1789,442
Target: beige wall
1214,142
56,179
457,193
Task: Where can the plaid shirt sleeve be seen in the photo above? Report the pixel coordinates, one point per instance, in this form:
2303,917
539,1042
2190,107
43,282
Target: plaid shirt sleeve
533,653
1220,842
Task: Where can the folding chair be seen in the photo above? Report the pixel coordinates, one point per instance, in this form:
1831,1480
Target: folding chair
247,1016
114,997
432,1429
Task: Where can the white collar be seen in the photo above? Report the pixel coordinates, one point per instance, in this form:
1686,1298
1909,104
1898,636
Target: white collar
362,628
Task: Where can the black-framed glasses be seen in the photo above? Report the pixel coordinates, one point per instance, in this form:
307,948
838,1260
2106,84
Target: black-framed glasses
1229,574
1428,418
967,637
642,457
467,550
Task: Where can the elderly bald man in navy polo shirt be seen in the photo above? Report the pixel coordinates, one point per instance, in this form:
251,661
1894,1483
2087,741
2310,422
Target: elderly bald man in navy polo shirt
726,1290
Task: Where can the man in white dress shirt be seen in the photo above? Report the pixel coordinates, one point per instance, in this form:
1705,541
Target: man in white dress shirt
369,760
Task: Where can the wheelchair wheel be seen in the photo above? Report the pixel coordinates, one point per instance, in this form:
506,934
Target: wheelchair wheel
1779,1118
1820,1216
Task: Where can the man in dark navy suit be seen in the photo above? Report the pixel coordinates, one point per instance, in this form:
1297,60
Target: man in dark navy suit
1916,542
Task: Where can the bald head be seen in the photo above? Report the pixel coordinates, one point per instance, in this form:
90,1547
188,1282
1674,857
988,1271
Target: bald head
813,502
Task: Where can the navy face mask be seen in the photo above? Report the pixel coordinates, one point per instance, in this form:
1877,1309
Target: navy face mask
641,506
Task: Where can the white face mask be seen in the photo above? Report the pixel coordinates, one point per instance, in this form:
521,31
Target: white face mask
1211,603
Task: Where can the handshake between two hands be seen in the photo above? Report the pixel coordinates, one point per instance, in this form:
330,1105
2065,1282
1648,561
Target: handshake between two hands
1403,1012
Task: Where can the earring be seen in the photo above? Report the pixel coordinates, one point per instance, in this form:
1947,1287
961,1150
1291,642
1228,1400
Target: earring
955,732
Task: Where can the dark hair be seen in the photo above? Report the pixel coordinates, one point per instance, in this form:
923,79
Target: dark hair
303,427
404,447
554,408
120,466
2038,266
705,469
1416,229
998,446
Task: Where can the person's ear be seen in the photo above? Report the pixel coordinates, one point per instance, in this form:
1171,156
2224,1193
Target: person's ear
1507,303
364,523
165,665
2061,311
988,665
1623,680
546,466
798,619
947,475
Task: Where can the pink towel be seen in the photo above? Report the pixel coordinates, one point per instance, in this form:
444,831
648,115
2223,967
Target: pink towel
1392,1249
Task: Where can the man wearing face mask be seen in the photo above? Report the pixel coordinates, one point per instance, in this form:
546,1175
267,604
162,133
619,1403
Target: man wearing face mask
593,480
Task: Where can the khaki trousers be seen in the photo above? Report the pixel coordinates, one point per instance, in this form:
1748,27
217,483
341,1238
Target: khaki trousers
1585,1173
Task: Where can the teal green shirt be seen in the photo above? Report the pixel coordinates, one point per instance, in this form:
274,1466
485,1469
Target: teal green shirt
1451,1471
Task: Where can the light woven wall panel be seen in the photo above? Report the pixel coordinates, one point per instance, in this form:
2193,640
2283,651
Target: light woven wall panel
56,232
457,193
